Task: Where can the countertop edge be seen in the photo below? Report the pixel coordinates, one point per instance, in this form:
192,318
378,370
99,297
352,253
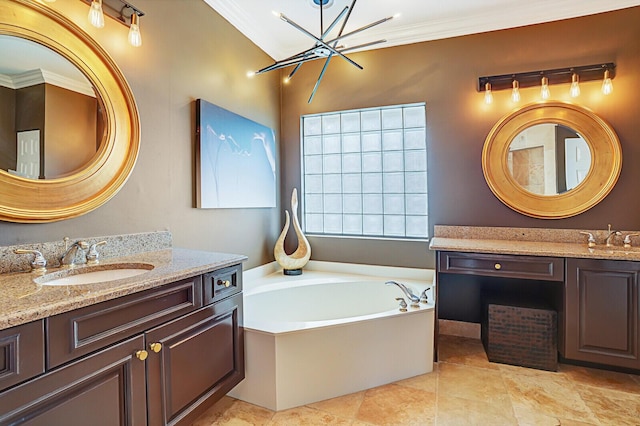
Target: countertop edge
533,248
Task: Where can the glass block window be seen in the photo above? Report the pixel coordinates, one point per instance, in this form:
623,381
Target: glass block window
364,172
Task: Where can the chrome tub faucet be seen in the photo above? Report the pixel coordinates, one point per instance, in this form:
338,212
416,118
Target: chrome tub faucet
407,292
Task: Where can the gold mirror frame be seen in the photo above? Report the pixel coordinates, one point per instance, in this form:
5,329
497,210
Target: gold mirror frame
34,201
606,160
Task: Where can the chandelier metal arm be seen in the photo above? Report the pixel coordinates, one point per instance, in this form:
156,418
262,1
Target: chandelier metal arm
371,43
319,41
335,22
366,27
324,69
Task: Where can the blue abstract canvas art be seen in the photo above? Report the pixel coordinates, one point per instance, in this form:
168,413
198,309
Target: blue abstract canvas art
235,160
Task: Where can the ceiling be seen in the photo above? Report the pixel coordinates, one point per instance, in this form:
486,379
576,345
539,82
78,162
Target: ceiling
414,20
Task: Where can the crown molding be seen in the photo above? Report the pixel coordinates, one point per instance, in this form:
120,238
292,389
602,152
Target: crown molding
39,76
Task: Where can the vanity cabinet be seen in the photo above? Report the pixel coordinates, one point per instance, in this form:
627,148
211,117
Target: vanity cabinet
602,317
158,357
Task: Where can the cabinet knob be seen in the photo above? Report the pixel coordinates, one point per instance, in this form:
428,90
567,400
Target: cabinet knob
225,283
142,355
155,347
497,266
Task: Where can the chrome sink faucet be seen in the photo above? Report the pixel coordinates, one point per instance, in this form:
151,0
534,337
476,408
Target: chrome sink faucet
68,259
611,235
407,292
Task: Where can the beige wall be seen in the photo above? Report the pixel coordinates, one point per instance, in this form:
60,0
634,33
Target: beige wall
444,74
188,52
191,52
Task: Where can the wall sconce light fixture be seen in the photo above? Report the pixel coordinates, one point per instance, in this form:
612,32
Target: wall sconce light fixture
544,78
120,10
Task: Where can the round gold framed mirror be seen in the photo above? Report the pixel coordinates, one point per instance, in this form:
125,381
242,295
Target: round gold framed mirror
115,138
560,175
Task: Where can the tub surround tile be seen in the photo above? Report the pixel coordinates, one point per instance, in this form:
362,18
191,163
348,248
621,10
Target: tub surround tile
527,241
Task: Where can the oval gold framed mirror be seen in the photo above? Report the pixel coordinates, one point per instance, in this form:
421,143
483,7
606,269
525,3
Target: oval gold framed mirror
116,136
562,175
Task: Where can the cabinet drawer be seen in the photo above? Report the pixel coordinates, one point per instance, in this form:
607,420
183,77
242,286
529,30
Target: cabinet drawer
78,332
21,353
222,283
499,265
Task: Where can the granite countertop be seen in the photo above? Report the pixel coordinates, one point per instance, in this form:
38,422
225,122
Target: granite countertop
528,241
24,301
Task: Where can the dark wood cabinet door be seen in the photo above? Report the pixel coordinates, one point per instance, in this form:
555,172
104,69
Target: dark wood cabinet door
21,353
106,388
199,358
601,308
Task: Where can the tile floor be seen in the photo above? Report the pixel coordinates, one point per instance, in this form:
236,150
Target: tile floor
464,389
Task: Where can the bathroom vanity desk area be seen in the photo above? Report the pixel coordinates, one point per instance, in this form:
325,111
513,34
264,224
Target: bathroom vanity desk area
595,291
155,349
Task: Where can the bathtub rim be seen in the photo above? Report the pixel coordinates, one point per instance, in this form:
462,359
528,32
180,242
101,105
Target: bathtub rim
254,283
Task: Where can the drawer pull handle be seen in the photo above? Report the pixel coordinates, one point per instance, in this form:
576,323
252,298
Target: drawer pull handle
225,283
142,355
497,266
155,347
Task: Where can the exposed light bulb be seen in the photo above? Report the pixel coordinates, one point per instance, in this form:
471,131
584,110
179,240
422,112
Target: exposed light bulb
251,74
515,92
96,17
575,87
607,85
286,80
135,38
488,96
545,93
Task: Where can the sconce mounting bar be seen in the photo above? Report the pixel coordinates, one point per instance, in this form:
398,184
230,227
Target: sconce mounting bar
555,76
117,9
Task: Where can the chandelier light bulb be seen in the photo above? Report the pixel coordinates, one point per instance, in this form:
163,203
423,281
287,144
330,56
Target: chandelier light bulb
96,17
575,87
515,92
607,85
488,96
545,93
135,38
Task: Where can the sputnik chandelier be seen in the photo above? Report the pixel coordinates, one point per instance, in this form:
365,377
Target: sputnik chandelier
324,47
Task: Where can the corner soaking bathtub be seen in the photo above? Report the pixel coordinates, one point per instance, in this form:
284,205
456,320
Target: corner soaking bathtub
332,331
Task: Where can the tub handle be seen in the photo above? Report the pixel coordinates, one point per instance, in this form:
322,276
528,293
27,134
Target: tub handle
403,304
424,298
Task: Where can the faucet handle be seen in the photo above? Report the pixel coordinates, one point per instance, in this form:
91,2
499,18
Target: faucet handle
591,241
627,240
403,304
424,298
93,255
38,264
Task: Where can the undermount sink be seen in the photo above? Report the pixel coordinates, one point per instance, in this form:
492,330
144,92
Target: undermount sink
94,274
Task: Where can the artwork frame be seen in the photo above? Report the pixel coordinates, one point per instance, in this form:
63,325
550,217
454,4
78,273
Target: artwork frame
235,160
